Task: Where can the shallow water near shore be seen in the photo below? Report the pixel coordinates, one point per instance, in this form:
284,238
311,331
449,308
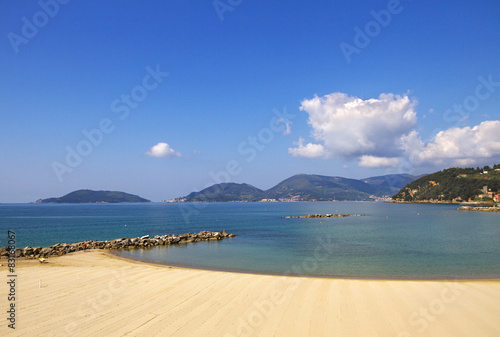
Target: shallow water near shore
391,241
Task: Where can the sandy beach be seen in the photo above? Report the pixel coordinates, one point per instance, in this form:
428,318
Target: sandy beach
98,294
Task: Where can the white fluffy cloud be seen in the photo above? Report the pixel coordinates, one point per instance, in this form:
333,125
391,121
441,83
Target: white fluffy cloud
350,127
309,150
457,146
375,162
162,150
381,132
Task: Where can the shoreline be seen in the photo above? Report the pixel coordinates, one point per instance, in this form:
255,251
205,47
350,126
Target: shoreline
100,294
116,253
430,202
479,208
115,248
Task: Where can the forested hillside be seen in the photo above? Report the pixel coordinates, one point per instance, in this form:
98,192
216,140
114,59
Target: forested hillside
454,184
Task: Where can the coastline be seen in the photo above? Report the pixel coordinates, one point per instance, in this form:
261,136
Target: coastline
101,294
116,253
479,209
446,202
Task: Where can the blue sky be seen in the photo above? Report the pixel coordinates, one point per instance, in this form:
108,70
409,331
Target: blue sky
416,91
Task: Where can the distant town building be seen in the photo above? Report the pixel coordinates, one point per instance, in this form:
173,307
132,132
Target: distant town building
486,192
294,198
175,200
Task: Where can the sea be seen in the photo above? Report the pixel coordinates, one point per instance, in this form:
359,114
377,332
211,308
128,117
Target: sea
390,241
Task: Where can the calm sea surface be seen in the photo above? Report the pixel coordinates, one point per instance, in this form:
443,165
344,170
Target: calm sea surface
392,240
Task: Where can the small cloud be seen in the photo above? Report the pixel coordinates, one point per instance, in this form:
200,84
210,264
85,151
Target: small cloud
288,126
162,150
377,162
309,150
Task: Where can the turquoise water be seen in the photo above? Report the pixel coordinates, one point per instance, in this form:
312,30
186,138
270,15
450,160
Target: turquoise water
392,240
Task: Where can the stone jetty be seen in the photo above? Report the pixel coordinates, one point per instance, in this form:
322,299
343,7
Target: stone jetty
123,243
480,209
320,216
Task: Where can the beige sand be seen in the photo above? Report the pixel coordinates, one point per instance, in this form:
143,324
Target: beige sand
95,294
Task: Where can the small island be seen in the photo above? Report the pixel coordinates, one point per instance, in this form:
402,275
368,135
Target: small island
309,216
90,196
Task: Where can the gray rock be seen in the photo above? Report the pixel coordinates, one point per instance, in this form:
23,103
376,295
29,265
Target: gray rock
18,252
120,243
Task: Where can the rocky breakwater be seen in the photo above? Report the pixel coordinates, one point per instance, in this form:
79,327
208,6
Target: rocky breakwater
123,243
480,208
320,216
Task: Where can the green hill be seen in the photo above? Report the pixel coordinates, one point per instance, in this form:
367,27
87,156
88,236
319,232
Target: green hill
227,192
89,196
305,187
452,185
394,182
323,188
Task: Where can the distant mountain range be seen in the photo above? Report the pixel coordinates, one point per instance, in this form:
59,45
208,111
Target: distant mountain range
89,196
305,187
